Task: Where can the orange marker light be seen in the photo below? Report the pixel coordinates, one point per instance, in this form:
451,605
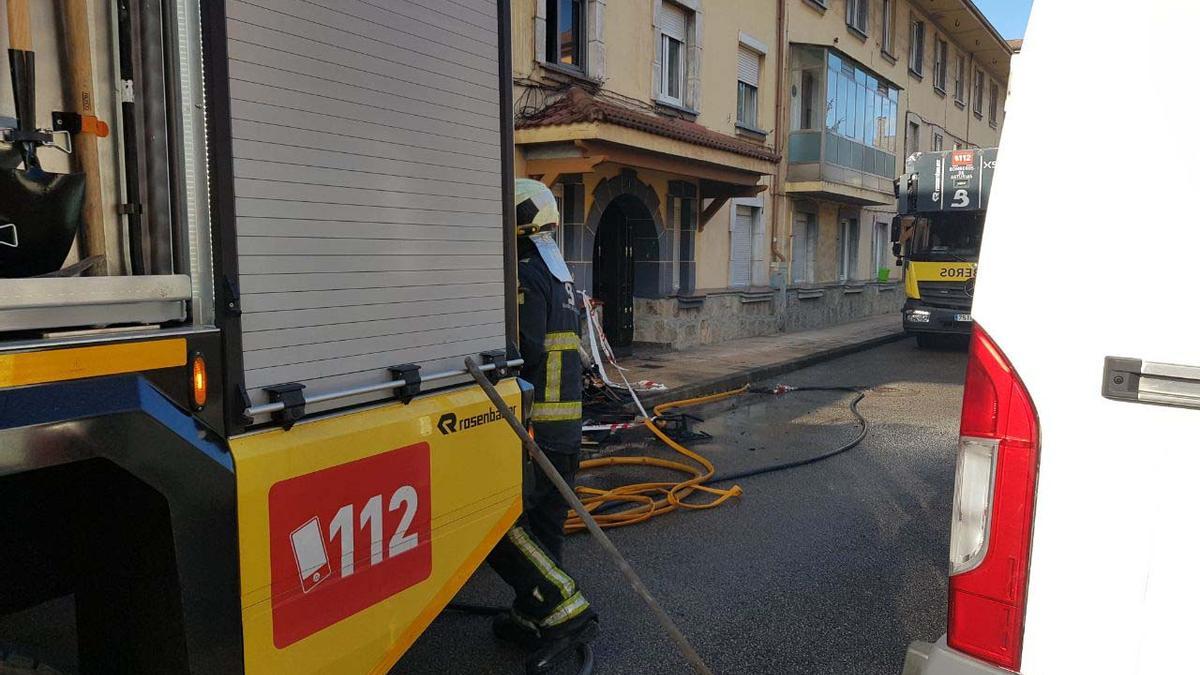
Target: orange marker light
199,381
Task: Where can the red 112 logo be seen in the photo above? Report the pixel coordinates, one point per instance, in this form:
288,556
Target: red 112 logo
347,537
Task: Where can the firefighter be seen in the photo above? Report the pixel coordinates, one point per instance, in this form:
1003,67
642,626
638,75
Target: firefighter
549,614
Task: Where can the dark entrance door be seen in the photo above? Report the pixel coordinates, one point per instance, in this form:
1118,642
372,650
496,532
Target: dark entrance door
612,265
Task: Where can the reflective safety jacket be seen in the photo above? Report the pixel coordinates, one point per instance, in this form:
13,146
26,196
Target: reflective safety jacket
549,321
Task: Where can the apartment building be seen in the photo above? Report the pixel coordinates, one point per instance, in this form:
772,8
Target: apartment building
870,83
725,167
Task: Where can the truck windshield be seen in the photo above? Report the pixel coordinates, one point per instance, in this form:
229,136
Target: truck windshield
947,237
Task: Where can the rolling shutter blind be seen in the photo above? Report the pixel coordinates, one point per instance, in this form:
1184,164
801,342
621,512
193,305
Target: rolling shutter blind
741,247
673,21
748,61
367,186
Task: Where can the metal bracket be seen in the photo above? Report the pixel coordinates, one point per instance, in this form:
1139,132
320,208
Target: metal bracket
499,359
1137,381
17,136
244,399
75,123
233,298
410,375
291,395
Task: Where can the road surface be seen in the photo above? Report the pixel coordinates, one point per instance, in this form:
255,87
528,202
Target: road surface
829,568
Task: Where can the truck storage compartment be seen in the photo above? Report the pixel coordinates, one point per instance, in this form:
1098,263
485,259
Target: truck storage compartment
366,162
115,104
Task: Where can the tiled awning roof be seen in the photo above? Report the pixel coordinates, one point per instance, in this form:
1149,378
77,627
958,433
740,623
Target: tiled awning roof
578,106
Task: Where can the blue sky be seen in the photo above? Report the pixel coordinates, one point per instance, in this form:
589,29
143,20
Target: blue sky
1008,16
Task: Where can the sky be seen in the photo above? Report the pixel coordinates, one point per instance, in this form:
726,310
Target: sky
1008,16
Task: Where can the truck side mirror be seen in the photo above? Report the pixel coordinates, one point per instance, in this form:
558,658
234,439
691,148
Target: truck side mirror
897,229
897,250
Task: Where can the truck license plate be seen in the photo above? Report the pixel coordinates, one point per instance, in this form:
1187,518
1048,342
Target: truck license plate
964,318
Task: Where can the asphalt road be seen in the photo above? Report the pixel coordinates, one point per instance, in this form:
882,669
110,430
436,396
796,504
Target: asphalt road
829,568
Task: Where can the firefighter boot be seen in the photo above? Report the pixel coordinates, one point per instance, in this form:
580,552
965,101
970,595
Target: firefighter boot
561,643
517,629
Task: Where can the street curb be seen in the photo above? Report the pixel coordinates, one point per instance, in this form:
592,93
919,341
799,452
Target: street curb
727,382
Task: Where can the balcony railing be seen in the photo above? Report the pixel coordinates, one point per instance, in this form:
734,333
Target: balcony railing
809,147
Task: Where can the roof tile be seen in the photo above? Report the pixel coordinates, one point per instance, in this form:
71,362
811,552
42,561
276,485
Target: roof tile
578,106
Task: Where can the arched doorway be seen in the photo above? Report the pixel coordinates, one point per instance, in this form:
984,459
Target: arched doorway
626,262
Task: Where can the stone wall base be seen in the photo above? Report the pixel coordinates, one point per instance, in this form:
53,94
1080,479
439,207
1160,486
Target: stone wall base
730,314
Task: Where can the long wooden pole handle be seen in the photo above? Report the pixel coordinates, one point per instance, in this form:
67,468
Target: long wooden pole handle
19,34
87,152
568,494
79,55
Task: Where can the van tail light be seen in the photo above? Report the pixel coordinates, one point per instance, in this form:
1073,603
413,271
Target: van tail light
994,489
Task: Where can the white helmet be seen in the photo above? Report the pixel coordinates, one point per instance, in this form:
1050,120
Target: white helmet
537,210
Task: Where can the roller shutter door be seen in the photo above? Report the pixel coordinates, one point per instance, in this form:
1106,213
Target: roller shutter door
741,247
366,151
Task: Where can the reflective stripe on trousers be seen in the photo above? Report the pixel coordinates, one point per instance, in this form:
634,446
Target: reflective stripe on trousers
557,412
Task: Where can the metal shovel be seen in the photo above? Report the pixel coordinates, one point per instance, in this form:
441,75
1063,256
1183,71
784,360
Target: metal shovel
39,211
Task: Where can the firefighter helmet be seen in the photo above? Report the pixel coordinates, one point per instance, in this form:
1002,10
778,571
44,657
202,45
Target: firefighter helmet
537,210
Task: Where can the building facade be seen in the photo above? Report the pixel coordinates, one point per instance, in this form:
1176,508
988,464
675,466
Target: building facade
725,169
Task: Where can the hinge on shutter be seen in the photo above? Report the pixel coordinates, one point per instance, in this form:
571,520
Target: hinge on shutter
233,298
499,359
291,395
409,377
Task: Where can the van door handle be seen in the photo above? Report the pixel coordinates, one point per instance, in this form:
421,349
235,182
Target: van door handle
1137,381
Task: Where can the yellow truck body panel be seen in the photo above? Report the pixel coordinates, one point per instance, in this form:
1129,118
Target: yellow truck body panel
320,589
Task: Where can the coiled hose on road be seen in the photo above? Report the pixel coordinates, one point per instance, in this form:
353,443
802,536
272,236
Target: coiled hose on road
659,498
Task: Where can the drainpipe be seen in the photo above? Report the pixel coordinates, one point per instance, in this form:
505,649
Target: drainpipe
778,196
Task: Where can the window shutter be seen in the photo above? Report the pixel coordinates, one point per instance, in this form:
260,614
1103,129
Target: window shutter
673,21
748,61
741,247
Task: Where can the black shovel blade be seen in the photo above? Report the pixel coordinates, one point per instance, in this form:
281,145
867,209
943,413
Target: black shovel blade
39,217
10,157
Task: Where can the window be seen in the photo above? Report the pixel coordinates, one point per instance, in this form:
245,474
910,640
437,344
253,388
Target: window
938,142
568,192
848,249
747,93
912,144
977,93
856,109
889,26
857,14
993,103
564,32
558,190
682,214
673,53
804,247
882,246
916,48
741,246
960,79
809,92
941,58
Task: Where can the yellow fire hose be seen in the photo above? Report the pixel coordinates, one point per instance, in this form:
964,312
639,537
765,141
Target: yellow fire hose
654,499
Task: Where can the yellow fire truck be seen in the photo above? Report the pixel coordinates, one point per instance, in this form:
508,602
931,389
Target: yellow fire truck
942,205
235,430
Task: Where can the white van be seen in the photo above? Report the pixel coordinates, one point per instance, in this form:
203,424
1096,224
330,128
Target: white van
1074,543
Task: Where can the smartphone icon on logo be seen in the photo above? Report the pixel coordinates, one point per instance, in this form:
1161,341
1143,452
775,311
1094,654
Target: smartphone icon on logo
312,560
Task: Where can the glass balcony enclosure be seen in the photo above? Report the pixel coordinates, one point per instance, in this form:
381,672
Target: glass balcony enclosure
843,123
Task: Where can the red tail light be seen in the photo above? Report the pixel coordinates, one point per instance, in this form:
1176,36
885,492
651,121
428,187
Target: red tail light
993,509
